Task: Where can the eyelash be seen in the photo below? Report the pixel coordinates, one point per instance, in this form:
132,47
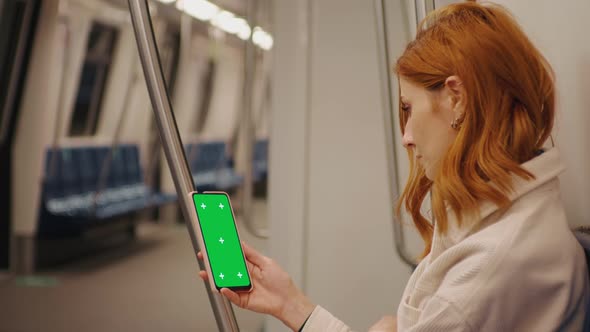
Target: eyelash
406,109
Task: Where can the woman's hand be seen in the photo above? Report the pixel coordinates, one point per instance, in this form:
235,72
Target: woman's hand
273,291
386,324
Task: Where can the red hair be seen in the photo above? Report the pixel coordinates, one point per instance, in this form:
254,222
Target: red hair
509,109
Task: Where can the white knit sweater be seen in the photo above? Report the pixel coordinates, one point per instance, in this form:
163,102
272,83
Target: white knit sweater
514,270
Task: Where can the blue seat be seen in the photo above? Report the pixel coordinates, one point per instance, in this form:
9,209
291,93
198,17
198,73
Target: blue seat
69,172
131,155
52,175
63,187
71,182
88,168
117,176
135,182
210,166
56,191
201,170
208,157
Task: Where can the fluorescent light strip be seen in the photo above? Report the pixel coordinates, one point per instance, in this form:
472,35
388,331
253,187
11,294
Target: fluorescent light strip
224,20
200,9
244,30
262,38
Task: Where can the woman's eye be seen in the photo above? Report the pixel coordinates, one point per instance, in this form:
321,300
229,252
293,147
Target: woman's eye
406,108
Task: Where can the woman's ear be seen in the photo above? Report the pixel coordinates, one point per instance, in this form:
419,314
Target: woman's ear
456,92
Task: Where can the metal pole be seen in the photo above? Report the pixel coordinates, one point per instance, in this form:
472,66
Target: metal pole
183,181
423,7
247,124
429,6
388,111
105,168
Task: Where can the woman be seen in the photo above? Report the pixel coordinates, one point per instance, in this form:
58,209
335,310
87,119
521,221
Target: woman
476,107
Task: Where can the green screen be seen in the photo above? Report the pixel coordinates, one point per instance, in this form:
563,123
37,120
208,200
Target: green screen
221,240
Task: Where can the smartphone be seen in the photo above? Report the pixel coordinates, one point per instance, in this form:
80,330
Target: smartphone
219,242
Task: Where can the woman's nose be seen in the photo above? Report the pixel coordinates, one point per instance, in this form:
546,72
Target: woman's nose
408,139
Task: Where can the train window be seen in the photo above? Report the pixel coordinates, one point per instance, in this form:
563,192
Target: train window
99,55
206,96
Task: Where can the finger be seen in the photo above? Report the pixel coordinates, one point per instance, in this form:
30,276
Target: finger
232,296
253,256
250,266
203,275
200,255
254,271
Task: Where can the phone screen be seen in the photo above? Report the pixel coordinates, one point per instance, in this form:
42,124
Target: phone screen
222,243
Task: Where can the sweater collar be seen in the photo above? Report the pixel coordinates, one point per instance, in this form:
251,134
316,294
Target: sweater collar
545,167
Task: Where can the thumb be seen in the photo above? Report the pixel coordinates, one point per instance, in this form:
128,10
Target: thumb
232,296
253,256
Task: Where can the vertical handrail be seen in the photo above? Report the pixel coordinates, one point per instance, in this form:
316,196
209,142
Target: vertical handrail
265,101
429,5
154,147
422,8
388,111
248,127
105,169
172,144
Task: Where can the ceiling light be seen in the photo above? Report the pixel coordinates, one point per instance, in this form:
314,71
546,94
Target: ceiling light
262,38
199,9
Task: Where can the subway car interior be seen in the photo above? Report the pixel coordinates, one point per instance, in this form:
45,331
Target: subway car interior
112,111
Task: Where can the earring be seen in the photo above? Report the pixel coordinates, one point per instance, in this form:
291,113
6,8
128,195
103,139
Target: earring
456,124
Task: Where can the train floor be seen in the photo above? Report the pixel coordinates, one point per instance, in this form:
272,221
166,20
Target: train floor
148,284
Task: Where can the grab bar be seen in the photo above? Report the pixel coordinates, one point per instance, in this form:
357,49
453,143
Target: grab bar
171,142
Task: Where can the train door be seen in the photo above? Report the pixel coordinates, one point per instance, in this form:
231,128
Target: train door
17,26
